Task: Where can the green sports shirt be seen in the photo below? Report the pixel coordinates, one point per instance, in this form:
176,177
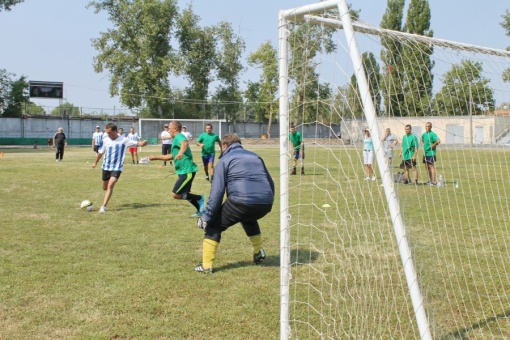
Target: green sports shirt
429,138
208,139
409,146
184,165
296,139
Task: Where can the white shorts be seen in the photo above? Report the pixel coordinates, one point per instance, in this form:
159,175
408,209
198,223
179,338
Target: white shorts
388,153
368,157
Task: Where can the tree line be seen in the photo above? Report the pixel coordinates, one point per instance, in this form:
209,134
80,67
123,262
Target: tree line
153,40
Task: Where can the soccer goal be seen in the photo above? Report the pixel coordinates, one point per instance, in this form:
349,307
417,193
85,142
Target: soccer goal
151,128
363,256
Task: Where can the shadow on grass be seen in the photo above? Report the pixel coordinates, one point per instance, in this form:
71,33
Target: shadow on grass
138,206
299,258
464,332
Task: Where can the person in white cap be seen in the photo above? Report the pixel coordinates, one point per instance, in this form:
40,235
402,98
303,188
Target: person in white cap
97,139
187,134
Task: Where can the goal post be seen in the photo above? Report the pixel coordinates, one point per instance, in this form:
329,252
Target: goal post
342,228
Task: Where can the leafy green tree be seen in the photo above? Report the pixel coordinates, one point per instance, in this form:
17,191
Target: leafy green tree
197,52
391,55
5,5
229,67
306,43
417,60
137,51
17,98
253,102
34,109
465,91
5,88
66,110
266,58
373,73
506,25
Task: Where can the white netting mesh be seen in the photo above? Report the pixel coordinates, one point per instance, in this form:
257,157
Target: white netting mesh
346,275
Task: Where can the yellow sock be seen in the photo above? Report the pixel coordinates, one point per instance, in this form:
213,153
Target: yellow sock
209,252
256,242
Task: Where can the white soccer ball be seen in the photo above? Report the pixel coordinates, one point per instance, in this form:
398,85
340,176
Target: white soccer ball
86,205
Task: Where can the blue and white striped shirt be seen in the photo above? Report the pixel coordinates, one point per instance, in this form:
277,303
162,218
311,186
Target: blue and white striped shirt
114,152
98,138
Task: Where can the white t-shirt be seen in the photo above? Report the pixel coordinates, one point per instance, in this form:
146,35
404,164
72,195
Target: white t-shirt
134,136
187,134
166,134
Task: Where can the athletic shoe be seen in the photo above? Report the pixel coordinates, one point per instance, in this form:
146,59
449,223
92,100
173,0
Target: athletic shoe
415,184
103,209
207,178
201,204
259,256
406,182
201,269
293,172
197,214
366,179
373,178
302,172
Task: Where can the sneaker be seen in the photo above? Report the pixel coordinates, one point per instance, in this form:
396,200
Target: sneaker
207,178
366,179
201,269
415,184
259,256
293,172
56,160
201,204
197,214
103,209
303,172
373,178
406,181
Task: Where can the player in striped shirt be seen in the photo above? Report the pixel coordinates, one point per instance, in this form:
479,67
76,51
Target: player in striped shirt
97,139
133,150
114,150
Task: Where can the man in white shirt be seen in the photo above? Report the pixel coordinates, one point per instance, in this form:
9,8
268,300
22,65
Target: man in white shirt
187,134
97,139
166,140
114,151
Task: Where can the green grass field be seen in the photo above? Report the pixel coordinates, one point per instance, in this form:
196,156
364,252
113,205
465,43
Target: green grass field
66,273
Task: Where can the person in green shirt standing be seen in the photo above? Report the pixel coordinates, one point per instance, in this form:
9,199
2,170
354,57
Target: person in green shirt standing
206,141
409,153
430,141
185,168
299,149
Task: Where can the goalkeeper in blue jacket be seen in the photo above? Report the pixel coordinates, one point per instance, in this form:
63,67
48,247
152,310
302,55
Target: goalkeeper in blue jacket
243,177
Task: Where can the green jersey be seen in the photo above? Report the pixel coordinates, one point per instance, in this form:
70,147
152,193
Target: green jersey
409,146
208,139
429,138
296,139
185,164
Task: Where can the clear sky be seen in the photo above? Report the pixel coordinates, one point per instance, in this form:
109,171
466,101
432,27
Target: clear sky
50,40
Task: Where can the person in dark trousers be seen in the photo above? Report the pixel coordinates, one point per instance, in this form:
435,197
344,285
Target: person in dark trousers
244,178
59,142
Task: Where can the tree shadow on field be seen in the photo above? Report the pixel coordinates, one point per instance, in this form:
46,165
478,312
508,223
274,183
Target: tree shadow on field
464,333
138,206
296,258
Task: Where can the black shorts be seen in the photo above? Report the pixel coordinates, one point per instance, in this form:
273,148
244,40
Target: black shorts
183,184
429,159
108,174
410,163
165,149
96,148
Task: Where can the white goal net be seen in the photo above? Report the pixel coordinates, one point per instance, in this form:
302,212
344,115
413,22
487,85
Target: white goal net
363,256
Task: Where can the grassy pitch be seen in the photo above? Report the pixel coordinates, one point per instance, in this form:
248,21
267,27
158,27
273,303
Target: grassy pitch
67,273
